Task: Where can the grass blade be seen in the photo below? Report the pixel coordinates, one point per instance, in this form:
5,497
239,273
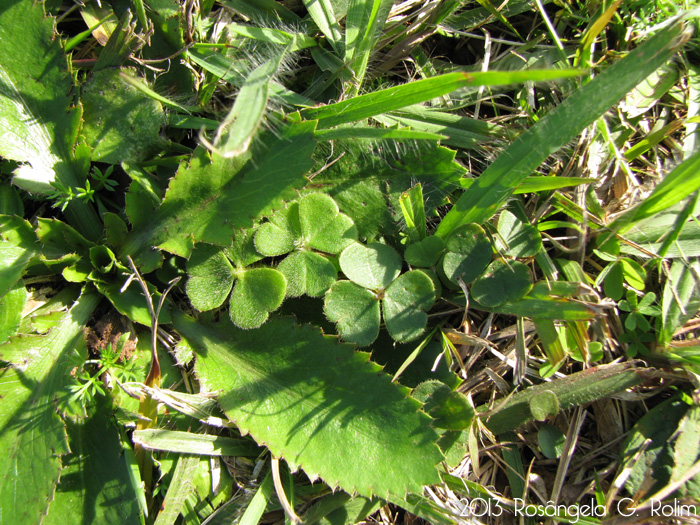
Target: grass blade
398,97
322,13
561,125
190,443
364,23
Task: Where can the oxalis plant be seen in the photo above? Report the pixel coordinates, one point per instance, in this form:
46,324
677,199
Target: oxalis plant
250,271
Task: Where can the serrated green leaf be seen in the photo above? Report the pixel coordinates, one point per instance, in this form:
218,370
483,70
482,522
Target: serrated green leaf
374,266
323,227
355,310
502,282
405,304
469,252
307,273
210,277
120,123
257,293
58,238
208,199
32,434
518,239
287,386
95,483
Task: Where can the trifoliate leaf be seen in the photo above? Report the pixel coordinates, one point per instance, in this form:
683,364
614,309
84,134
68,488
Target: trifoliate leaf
405,303
374,266
355,310
210,277
288,387
517,239
469,251
425,253
501,283
323,227
279,235
257,293
307,273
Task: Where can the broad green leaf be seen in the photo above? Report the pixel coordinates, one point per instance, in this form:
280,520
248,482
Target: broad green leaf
17,246
39,122
95,482
355,310
405,304
551,441
469,252
32,434
495,185
190,443
374,266
307,273
210,277
236,131
278,236
502,282
450,410
425,253
11,306
10,201
288,387
365,106
257,292
58,239
130,300
119,122
242,251
613,285
518,239
633,272
323,227
208,199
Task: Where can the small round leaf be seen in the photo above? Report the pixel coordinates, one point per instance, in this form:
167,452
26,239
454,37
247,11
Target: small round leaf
405,303
469,251
210,277
257,293
307,273
323,227
449,409
612,286
544,405
374,266
501,283
355,310
634,273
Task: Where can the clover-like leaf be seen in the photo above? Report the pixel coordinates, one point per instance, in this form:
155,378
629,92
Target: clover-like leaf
308,273
469,251
257,293
450,410
518,239
279,235
374,266
425,253
242,251
405,303
355,310
323,227
501,283
210,277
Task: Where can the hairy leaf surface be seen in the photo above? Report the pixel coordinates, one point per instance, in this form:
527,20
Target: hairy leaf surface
318,404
